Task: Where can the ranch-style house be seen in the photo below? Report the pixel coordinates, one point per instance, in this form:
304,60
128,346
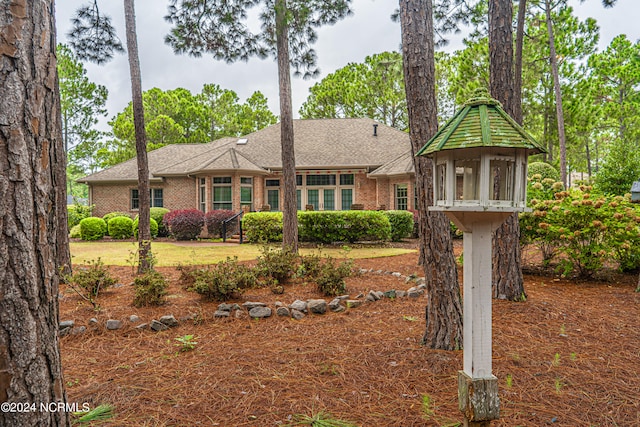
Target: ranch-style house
339,163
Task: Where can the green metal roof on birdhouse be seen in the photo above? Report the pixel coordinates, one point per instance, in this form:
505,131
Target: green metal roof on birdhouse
481,123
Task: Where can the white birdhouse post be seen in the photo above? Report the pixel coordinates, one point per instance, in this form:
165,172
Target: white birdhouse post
480,179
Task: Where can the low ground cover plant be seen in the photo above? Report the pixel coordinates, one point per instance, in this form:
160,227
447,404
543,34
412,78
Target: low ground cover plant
151,289
89,280
222,281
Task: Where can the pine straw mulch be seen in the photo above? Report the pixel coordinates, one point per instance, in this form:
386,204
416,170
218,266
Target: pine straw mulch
568,356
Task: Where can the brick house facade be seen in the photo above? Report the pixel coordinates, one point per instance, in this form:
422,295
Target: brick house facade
339,163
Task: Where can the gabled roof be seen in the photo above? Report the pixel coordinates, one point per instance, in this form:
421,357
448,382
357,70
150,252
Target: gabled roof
401,165
319,144
481,122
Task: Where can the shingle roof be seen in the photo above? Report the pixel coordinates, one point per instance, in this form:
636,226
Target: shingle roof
319,143
401,165
481,122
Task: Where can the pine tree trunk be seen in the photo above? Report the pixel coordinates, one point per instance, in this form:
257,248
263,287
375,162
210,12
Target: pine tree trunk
517,71
31,149
444,309
290,211
507,280
144,196
558,95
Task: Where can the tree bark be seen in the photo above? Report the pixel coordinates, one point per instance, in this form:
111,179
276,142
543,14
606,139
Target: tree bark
290,211
31,149
558,95
144,196
444,309
517,71
507,280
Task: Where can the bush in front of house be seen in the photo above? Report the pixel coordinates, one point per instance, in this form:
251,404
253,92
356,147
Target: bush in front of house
92,228
153,226
213,220
76,213
120,227
343,226
158,215
74,232
184,224
109,216
401,224
262,226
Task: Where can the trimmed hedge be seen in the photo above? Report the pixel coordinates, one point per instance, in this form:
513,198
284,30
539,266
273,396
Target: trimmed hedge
213,220
74,232
76,213
153,226
321,227
120,227
92,228
185,224
158,215
401,224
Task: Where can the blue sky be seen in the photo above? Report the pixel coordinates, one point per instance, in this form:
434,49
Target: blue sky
368,31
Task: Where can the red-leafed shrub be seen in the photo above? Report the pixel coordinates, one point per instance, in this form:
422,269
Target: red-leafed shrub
184,224
213,220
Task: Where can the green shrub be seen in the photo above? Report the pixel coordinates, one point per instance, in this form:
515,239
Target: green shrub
544,170
76,213
92,228
153,226
120,227
277,264
263,226
158,214
331,278
310,266
151,289
89,280
74,233
343,226
109,216
401,224
223,281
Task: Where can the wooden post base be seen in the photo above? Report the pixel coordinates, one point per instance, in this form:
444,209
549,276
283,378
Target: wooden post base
478,399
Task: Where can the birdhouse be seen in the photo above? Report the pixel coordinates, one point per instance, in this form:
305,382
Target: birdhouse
480,161
635,192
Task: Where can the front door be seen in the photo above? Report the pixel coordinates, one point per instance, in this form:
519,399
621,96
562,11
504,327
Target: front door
322,199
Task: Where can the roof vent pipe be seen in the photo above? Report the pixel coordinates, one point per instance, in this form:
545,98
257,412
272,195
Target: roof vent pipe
375,129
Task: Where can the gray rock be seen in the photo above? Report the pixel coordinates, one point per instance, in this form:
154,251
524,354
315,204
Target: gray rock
360,296
235,307
252,304
78,330
298,305
67,324
187,317
401,294
390,294
422,286
278,304
378,271
143,326
396,274
134,319
283,311
334,304
353,303
363,271
297,314
343,297
221,313
379,294
414,292
239,314
158,326
65,331
93,321
113,324
317,306
421,281
169,320
117,285
260,312
225,307
371,297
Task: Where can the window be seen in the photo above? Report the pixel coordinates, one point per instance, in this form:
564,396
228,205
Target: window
347,198
203,194
321,180
155,198
346,179
402,197
222,198
246,193
272,183
299,180
299,199
273,199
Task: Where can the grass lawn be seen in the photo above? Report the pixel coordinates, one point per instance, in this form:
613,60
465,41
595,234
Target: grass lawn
192,253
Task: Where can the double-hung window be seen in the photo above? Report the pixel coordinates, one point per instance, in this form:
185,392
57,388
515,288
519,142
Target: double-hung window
156,197
222,194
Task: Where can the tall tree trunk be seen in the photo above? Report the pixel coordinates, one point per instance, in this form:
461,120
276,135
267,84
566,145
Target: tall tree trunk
558,95
60,184
31,150
517,71
507,280
290,211
444,309
144,196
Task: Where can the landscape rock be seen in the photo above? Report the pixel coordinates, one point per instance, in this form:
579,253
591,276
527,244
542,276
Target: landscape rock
396,274
343,297
113,324
221,313
169,320
317,306
260,312
143,326
390,294
134,319
283,311
67,324
225,307
401,294
379,294
158,326
253,304
414,292
93,321
353,303
239,314
298,305
78,330
334,304
297,314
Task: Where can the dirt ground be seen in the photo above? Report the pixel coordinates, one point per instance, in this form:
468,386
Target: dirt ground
568,356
